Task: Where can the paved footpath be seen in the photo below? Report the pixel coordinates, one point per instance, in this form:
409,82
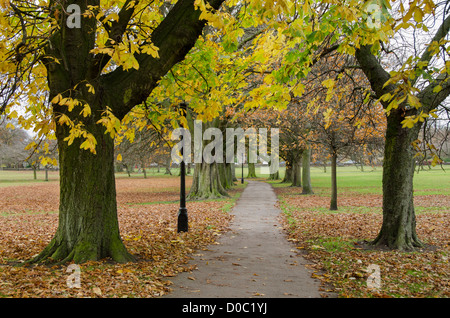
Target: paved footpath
253,259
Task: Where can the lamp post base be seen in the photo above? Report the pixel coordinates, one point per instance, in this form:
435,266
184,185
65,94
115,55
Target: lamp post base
182,220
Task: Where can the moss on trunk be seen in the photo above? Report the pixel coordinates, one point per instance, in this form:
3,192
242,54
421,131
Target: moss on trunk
297,173
206,182
88,228
288,173
251,170
398,230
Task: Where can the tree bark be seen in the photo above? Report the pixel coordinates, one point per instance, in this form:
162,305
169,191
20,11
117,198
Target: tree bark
233,172
206,183
306,172
296,173
88,228
88,224
251,170
398,230
274,176
229,174
223,175
288,173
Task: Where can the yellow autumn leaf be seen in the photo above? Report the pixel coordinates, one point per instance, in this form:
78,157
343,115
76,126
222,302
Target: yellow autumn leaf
90,88
413,101
56,99
298,90
112,16
63,119
150,49
437,89
86,110
408,122
418,14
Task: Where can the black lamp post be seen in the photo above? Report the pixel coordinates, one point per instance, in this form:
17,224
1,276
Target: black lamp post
242,171
182,212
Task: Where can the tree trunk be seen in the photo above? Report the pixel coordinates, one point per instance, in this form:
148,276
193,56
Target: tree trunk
167,171
296,173
127,168
288,173
274,176
333,203
398,230
251,170
229,173
233,172
88,224
88,227
206,182
306,172
223,175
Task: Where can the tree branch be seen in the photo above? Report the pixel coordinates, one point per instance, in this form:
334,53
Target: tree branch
430,99
174,37
115,33
373,70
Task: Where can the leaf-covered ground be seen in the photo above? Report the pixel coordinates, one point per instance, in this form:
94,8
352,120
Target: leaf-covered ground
334,242
147,210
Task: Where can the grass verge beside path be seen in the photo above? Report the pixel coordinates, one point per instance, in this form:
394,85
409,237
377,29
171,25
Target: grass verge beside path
332,240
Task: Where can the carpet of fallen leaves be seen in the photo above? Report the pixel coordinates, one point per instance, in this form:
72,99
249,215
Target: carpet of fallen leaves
147,210
336,244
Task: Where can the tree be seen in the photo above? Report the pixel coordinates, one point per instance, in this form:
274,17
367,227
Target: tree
95,75
306,172
409,92
343,118
215,81
208,179
409,97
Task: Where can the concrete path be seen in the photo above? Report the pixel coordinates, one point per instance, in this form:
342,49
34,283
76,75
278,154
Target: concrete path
253,259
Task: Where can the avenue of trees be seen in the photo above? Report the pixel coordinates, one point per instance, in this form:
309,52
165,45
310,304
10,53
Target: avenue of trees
108,79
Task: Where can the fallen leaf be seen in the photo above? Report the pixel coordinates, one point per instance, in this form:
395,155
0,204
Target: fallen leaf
97,291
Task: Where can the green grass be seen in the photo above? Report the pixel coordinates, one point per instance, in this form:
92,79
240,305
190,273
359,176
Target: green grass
369,181
333,244
349,178
24,177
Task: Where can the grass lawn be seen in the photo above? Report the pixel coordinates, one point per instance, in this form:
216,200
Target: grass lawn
350,178
332,239
21,177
